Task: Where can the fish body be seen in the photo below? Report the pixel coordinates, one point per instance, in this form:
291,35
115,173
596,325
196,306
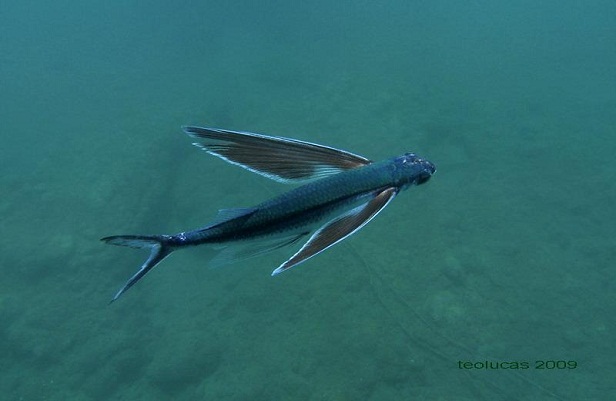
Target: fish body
306,204
342,192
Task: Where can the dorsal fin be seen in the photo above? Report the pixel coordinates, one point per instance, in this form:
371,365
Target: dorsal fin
225,215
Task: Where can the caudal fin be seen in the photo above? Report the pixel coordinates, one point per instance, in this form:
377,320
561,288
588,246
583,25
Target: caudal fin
159,249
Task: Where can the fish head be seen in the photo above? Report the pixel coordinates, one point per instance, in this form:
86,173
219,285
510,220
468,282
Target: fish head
411,169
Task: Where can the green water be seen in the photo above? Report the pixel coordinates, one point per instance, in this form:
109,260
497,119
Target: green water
506,255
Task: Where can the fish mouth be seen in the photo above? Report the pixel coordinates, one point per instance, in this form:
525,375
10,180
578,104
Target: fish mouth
429,166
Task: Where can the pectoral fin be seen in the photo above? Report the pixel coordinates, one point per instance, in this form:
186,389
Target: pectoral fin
340,228
282,159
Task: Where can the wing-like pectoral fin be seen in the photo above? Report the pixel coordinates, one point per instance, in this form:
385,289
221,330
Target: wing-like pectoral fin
339,228
282,159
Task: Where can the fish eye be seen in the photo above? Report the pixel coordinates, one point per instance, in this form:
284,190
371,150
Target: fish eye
408,158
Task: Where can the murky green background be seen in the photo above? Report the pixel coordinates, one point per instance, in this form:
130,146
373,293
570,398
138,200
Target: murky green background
507,255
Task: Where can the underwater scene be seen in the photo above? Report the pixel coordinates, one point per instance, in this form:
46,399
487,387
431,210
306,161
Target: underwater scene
492,280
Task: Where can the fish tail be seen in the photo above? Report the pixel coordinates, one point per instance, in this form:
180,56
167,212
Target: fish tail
158,245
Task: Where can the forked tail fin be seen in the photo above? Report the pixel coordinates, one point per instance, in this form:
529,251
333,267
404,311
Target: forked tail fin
159,249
